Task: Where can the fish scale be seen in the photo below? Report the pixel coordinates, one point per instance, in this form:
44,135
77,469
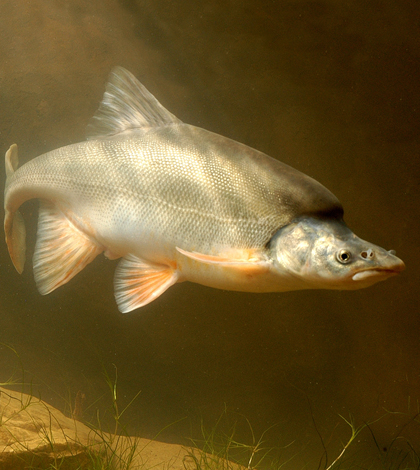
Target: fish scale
177,203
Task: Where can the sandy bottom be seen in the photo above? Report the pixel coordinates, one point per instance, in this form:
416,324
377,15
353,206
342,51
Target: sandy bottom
33,432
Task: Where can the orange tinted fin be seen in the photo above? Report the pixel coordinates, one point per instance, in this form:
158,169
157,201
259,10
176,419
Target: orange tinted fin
138,282
61,249
248,261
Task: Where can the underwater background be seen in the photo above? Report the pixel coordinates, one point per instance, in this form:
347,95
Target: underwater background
328,87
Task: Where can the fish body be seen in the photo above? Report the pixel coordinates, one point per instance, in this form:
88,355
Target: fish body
178,203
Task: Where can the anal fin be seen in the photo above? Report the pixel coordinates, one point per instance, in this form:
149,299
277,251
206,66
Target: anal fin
61,249
138,282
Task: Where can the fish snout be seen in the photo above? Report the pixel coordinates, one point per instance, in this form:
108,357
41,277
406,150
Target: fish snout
382,264
398,264
383,258
390,261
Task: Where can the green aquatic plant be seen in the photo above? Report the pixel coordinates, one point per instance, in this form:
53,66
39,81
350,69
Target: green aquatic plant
355,431
119,452
389,457
222,450
394,457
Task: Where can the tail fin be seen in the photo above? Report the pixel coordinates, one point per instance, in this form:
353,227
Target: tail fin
11,160
14,225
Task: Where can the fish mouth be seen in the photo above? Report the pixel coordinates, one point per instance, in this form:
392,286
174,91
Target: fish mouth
378,273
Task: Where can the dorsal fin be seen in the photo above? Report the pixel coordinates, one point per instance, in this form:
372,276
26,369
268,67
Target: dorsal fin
126,105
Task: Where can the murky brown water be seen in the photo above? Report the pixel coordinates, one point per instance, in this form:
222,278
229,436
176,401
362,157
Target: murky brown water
330,88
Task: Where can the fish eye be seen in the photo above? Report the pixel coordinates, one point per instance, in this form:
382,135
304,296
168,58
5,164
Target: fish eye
343,256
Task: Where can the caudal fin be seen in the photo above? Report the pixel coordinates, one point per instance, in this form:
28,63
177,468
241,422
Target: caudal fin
14,225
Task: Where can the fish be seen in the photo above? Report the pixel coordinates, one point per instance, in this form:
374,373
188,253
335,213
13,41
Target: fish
179,203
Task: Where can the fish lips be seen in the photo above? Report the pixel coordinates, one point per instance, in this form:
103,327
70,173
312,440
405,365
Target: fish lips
379,273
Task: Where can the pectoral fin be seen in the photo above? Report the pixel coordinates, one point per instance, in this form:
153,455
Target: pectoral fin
138,282
244,260
61,249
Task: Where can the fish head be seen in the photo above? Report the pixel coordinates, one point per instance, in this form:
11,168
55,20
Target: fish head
323,253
